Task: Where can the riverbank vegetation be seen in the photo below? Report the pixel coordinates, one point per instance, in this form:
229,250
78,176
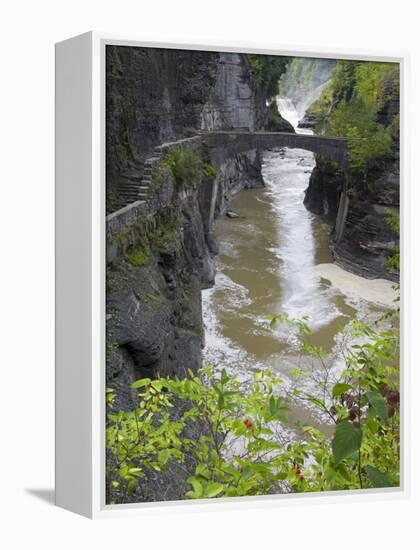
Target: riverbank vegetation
361,102
240,447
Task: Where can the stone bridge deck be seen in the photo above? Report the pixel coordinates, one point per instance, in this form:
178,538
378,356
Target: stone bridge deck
227,143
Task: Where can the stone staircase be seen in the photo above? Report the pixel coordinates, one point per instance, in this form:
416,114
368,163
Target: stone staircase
128,188
147,176
135,182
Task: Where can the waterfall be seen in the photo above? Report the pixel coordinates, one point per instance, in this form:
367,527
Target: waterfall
302,84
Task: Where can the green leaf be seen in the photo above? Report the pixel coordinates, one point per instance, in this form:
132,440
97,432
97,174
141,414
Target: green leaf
339,389
224,378
347,440
214,489
198,488
377,478
378,404
164,455
135,471
203,471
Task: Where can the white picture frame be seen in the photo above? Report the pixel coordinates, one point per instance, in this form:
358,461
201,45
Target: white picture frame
80,276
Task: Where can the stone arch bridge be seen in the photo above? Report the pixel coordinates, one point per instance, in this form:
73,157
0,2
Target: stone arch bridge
225,144
222,145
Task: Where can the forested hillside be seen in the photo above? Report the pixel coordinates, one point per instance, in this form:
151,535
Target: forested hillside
361,102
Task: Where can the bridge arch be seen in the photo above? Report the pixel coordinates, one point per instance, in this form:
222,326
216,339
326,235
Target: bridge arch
225,144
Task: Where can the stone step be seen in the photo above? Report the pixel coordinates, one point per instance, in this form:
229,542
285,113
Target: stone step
144,188
130,198
126,183
129,185
126,189
129,194
131,177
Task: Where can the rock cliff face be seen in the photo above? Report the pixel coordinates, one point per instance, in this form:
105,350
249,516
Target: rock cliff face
158,95
235,101
160,262
368,240
152,96
154,322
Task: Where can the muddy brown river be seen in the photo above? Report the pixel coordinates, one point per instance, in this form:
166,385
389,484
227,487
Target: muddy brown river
275,258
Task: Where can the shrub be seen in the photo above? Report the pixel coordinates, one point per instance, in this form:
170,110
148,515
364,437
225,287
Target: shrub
184,164
352,106
371,143
164,239
240,449
209,171
138,257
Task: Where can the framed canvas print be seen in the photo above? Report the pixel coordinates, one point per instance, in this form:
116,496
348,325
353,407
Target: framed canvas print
228,274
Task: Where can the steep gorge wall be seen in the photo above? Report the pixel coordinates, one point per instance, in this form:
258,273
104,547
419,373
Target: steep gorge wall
160,257
154,321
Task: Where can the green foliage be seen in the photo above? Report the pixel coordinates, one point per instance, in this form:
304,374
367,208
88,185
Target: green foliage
377,83
185,165
238,450
377,478
393,220
138,257
370,143
143,438
267,70
209,171
364,407
347,440
164,238
153,298
111,350
350,107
